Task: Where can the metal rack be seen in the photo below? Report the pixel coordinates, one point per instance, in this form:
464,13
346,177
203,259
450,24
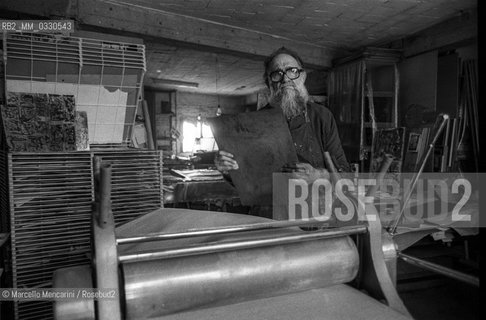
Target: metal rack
105,77
48,198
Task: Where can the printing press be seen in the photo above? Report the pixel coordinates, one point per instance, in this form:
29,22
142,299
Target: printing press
189,264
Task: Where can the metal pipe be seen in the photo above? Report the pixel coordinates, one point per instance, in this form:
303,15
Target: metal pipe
445,119
104,248
96,173
446,145
385,165
238,245
453,143
105,195
331,167
336,176
161,287
148,126
219,230
472,280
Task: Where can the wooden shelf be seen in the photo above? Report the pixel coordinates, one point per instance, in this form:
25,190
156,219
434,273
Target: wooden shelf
380,74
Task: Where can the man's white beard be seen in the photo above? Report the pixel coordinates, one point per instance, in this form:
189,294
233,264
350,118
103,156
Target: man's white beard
292,100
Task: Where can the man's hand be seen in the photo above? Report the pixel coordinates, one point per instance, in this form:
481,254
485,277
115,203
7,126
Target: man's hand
224,161
305,171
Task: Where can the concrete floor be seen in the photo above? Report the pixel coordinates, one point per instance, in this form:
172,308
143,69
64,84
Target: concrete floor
444,299
430,296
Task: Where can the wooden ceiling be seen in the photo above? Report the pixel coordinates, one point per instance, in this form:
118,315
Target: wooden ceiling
220,44
213,72
334,25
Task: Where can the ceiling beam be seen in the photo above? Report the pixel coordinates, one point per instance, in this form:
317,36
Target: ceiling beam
145,21
41,8
447,33
126,17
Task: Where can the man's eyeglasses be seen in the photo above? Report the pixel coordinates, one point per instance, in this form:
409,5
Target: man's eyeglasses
292,73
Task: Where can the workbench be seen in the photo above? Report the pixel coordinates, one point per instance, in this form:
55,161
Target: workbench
210,189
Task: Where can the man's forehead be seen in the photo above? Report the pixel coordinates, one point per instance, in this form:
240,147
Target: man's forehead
283,60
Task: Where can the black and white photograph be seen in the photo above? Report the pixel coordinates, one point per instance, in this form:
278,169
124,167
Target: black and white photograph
241,159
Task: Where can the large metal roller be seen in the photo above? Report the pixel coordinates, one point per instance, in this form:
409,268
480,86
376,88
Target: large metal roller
171,262
160,287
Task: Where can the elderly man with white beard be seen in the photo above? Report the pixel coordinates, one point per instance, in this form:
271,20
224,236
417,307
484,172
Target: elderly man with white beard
312,126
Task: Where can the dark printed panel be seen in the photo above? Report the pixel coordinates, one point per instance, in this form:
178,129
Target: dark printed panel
43,122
